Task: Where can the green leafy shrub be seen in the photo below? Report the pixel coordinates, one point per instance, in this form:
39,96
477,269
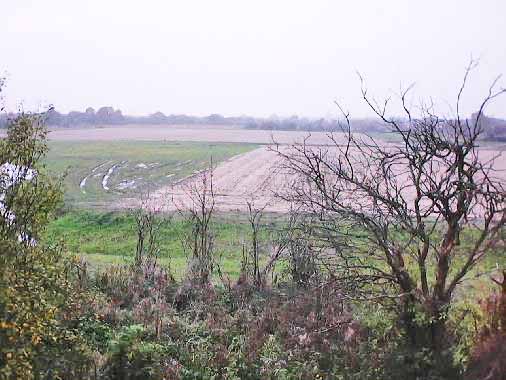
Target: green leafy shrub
131,357
40,300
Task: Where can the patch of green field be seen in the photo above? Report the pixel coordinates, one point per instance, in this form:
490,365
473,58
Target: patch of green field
106,238
110,238
139,166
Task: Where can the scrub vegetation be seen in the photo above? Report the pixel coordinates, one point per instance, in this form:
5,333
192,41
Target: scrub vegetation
374,272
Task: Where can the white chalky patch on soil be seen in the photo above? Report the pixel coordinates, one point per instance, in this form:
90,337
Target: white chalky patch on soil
109,173
123,185
92,173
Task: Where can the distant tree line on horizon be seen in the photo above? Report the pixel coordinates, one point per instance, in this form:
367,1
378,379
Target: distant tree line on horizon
111,116
494,128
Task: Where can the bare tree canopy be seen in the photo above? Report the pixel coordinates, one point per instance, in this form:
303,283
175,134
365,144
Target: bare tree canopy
410,203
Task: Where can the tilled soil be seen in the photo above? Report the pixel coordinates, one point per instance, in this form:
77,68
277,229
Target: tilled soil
254,177
186,133
259,177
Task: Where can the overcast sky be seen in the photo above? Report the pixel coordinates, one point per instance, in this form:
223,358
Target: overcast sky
247,57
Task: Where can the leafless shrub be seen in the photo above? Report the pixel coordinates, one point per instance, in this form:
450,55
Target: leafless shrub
148,221
301,255
198,239
288,242
251,257
306,247
198,242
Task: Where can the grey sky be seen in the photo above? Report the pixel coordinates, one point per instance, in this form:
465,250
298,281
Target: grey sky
246,57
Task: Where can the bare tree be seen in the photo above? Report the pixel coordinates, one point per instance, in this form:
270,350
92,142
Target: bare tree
254,218
303,252
295,245
419,213
199,241
288,242
147,227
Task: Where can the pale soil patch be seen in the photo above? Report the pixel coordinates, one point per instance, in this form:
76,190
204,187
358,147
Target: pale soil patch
82,184
255,176
111,170
125,184
259,177
179,133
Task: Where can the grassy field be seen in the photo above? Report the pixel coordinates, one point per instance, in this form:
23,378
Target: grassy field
137,166
110,238
105,238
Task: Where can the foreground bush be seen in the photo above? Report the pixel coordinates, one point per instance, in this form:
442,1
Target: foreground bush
132,358
40,299
488,360
221,333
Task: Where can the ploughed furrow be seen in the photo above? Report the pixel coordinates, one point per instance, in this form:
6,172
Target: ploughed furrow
250,177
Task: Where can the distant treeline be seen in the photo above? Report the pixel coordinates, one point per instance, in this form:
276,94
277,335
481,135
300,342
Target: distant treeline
111,116
494,129
295,123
